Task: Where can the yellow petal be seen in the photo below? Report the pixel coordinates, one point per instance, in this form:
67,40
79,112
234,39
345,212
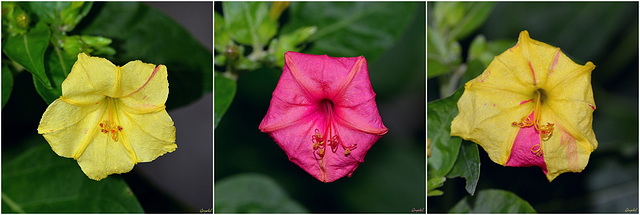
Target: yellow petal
68,128
485,116
150,135
144,86
531,70
91,78
104,156
564,153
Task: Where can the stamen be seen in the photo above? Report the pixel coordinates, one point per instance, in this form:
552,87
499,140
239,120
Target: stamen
537,152
545,131
110,128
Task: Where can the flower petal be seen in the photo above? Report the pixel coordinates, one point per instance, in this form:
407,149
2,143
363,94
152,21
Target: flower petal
297,143
104,156
91,78
144,86
486,111
527,142
69,128
565,153
328,98
149,135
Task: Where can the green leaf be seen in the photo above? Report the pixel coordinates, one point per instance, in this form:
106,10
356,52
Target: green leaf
7,83
28,50
223,94
221,37
467,166
253,193
289,42
63,16
349,29
59,65
140,32
248,22
58,185
443,55
434,183
485,51
476,13
15,21
47,12
493,201
444,147
448,14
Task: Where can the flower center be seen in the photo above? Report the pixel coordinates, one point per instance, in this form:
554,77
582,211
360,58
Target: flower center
545,131
331,136
110,126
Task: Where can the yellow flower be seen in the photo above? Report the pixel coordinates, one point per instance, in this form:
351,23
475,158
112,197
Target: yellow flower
109,118
532,106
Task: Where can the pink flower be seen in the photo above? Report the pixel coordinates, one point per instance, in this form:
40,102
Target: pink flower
323,114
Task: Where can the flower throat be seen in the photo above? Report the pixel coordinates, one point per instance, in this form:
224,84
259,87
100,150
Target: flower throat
321,141
545,131
110,126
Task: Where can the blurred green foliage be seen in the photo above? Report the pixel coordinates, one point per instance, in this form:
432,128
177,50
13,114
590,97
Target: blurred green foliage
604,33
57,185
392,178
253,193
493,201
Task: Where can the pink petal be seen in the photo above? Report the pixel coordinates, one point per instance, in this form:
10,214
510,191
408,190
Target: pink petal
527,139
326,98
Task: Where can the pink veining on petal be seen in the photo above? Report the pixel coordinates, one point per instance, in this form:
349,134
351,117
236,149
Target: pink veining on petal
555,61
526,140
145,83
569,144
514,47
524,102
485,75
592,107
533,74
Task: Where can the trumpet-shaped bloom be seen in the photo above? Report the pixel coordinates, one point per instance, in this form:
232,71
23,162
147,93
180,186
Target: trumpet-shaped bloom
532,106
323,114
109,118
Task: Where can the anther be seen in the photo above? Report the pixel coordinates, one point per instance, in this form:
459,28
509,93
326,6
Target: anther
537,152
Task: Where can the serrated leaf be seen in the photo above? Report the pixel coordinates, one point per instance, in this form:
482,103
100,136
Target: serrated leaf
349,29
253,193
467,166
28,50
248,22
39,181
493,201
225,91
444,147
